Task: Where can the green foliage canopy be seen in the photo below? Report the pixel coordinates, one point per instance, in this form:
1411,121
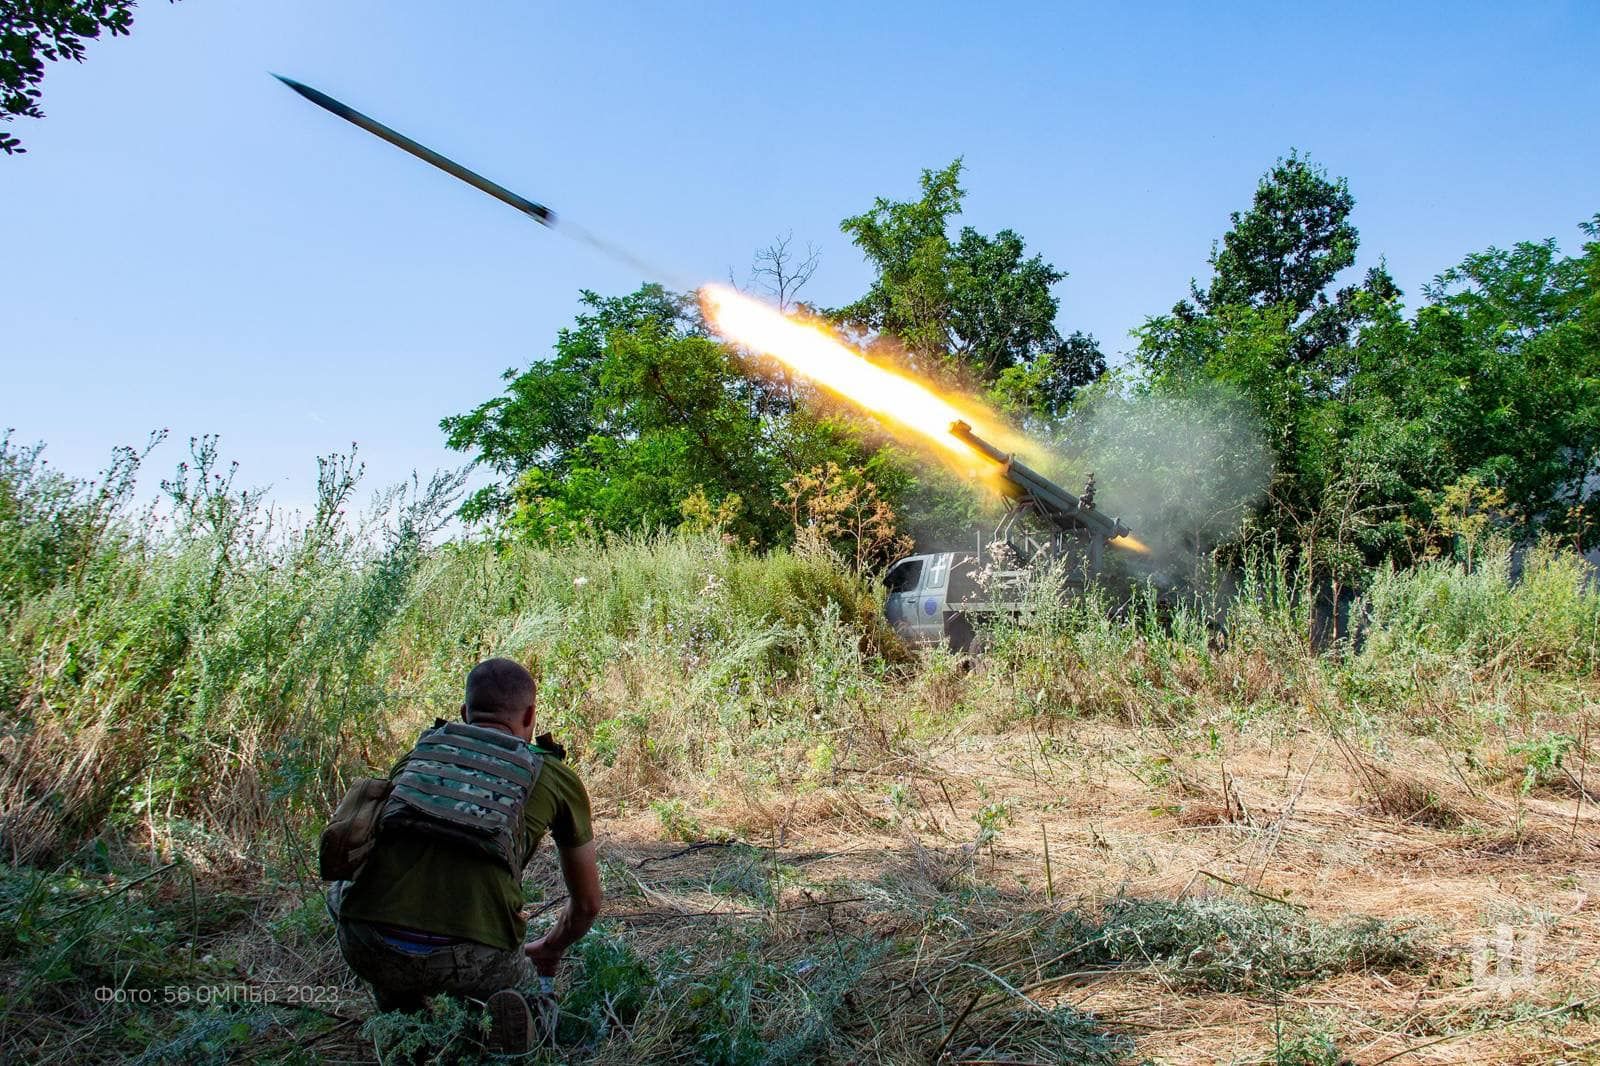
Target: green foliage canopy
636,411
969,309
1369,417
36,32
1371,414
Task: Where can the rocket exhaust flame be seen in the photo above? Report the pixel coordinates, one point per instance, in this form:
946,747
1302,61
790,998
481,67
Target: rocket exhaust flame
816,355
895,399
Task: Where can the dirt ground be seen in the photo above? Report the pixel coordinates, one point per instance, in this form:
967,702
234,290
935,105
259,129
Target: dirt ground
1502,886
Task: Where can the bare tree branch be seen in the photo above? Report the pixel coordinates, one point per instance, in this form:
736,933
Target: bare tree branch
781,272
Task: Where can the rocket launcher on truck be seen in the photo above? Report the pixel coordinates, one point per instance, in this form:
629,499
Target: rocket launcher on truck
1031,491
941,596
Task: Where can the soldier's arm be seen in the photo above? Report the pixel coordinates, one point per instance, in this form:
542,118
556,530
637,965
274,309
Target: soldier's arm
582,874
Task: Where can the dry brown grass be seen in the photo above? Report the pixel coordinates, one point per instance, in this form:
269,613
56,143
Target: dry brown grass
1297,822
1265,818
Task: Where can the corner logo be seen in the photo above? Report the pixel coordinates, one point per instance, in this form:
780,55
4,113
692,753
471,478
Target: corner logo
1506,962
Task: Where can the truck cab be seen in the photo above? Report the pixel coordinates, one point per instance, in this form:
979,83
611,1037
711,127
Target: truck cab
934,598
916,596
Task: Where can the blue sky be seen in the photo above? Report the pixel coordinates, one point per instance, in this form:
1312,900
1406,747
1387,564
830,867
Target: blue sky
189,245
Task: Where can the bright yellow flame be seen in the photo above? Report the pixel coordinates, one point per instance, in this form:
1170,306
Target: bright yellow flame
1132,543
813,353
897,400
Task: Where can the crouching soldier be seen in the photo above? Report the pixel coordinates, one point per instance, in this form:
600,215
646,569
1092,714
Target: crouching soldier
436,905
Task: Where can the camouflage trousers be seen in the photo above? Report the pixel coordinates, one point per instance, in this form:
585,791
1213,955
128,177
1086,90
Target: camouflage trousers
403,975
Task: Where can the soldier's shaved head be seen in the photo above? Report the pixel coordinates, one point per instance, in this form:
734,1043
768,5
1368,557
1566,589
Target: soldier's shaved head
499,690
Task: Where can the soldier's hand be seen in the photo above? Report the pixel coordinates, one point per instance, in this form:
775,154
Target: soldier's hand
544,956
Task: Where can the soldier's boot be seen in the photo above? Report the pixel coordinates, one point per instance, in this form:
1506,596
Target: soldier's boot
510,1023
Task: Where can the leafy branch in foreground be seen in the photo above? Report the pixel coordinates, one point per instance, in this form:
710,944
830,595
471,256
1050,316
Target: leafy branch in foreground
36,32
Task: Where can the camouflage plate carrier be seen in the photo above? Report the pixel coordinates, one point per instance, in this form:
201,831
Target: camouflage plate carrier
466,784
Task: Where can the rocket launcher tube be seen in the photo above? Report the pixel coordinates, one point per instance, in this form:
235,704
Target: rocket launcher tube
1020,480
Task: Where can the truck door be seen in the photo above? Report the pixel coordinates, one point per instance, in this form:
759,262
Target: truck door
900,586
931,598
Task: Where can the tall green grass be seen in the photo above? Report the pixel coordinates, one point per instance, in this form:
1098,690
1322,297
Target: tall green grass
214,667
1541,608
215,663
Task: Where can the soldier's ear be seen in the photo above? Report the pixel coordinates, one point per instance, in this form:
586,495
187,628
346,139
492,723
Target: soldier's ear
464,717
527,717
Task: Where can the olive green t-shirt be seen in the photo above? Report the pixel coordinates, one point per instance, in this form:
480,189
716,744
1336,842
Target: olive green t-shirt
449,889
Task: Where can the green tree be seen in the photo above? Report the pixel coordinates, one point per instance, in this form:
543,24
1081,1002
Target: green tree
1372,415
36,32
1289,246
1040,392
966,310
909,301
1506,371
1271,327
1283,255
637,411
